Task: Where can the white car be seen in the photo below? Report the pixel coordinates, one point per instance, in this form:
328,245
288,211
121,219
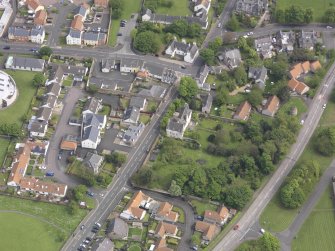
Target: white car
324,106
329,27
302,122
262,231
219,25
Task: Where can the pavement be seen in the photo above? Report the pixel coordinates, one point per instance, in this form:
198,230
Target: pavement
287,236
251,215
52,162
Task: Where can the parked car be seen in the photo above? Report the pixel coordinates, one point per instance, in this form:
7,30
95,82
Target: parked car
119,34
262,231
89,193
50,174
6,47
97,224
236,227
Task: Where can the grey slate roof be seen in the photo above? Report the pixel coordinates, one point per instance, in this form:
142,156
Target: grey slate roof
257,73
18,31
202,74
131,62
38,127
175,125
49,101
133,133
132,113
103,83
58,71
169,76
137,102
179,46
154,69
251,7
37,30
155,91
53,89
75,33
44,113
92,105
80,11
28,62
94,161
93,36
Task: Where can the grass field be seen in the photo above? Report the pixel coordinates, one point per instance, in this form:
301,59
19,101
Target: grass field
134,248
3,149
277,218
200,206
318,7
56,214
294,102
130,7
20,232
318,231
179,8
15,112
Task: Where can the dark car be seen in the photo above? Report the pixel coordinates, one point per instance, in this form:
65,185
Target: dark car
94,230
50,174
88,238
6,47
89,193
119,34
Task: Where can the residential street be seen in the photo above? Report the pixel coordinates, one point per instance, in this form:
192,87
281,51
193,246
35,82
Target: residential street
287,236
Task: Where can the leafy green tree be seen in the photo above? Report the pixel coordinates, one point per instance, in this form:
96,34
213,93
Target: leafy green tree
255,97
208,56
291,195
45,51
280,16
294,14
39,79
215,44
188,88
238,196
79,192
325,141
269,242
308,17
174,189
147,42
118,159
117,7
329,16
233,24
240,75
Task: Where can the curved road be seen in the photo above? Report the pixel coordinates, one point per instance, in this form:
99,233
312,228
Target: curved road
251,215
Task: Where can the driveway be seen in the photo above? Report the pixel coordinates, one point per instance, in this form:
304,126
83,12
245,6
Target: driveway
62,129
107,142
125,39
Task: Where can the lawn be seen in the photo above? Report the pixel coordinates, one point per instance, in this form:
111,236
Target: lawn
55,214
134,231
145,118
15,112
20,232
179,8
3,149
200,206
318,7
181,213
294,102
275,217
318,231
130,7
134,247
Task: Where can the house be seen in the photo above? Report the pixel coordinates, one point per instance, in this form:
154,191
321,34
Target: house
264,47
201,77
297,86
271,106
69,143
37,147
37,128
296,71
101,3
58,72
232,58
154,70
53,89
155,91
19,165
43,187
315,65
94,38
107,65
92,105
160,245
138,102
136,207
77,23
83,10
285,40
133,133
105,245
209,231
128,65
200,18
40,17
307,39
259,75
219,218
169,76
25,64
43,114
74,37
6,17
34,5
165,213
107,84
189,52
179,122
117,229
37,34
243,111
94,161
91,129
251,7
166,229
202,5
19,34
131,115
49,101
207,101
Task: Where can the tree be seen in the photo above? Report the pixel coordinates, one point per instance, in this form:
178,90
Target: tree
147,42
116,8
92,89
116,158
208,56
325,141
39,79
174,189
178,27
329,16
238,196
188,88
215,44
79,192
291,195
45,51
294,15
280,16
269,242
255,97
308,17
233,24
240,75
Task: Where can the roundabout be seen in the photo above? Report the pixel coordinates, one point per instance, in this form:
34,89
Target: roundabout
8,90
